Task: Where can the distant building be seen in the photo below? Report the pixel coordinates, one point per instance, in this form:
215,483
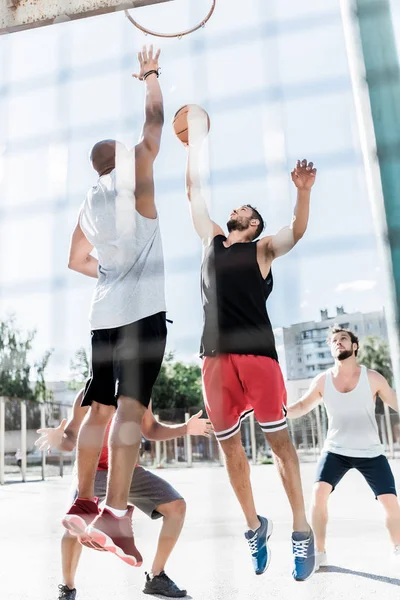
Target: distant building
305,349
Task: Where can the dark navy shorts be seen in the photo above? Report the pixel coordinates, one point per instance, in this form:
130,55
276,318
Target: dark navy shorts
376,471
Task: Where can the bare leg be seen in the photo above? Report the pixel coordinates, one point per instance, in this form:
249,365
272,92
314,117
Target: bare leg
90,443
239,475
70,554
124,443
173,519
319,513
287,463
391,506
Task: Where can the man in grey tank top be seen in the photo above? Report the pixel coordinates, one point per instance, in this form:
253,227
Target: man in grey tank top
349,393
119,220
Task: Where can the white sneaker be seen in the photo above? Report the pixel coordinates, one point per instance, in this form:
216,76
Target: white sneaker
396,553
320,560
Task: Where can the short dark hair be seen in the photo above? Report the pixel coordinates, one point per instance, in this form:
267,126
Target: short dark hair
256,215
337,329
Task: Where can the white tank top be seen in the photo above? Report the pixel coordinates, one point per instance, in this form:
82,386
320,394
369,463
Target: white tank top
131,283
352,430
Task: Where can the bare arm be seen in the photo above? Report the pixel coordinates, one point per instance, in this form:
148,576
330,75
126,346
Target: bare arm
198,128
154,430
303,176
64,436
149,144
310,400
80,259
384,391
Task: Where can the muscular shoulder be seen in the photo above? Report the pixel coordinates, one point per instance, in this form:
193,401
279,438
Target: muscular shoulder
375,380
319,382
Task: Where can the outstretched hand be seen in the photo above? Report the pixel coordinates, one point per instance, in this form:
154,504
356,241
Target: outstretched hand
51,437
303,175
148,61
197,426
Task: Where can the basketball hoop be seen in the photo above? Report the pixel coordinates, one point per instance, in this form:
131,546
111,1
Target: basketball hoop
180,34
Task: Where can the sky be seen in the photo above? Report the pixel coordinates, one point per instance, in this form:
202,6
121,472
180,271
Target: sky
275,80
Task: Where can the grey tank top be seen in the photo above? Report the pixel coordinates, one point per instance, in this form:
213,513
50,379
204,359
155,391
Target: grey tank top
131,282
353,430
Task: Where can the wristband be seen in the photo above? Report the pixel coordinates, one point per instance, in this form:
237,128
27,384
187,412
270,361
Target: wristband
156,72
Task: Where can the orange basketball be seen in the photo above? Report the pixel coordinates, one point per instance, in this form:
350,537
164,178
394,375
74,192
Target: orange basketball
180,122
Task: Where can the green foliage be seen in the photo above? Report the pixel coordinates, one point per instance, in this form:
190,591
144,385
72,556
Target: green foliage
375,354
16,371
178,386
80,369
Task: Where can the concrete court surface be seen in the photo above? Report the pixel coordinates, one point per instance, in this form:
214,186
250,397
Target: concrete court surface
212,559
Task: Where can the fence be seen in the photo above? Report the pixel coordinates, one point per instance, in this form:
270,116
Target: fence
21,460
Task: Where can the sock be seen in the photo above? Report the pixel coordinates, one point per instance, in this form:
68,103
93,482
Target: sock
116,512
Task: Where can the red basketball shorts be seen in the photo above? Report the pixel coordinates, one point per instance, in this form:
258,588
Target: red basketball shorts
235,385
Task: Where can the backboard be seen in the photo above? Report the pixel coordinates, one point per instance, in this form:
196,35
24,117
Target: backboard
16,15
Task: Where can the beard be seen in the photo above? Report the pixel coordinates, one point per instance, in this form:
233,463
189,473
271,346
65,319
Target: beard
344,354
236,225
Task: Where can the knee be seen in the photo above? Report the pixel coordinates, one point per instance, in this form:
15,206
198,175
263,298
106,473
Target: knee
281,444
320,495
175,510
100,413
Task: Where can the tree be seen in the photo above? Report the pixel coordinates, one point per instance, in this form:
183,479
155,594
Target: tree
178,386
375,354
16,371
80,369
19,379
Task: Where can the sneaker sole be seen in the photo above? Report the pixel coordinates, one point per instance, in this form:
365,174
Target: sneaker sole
104,541
75,525
307,578
165,595
269,533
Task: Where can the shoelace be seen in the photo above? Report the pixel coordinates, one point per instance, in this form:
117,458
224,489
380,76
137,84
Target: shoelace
300,548
64,592
253,544
397,551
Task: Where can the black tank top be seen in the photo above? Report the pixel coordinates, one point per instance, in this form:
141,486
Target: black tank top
234,295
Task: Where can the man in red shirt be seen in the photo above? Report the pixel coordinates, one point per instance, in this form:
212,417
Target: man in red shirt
148,492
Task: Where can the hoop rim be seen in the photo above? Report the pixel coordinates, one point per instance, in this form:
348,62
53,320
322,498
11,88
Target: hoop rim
172,35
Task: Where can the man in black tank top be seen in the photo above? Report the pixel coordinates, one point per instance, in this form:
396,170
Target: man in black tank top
240,370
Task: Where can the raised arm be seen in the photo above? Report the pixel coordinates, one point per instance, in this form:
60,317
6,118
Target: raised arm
204,226
303,177
80,259
383,389
310,400
156,431
149,144
64,436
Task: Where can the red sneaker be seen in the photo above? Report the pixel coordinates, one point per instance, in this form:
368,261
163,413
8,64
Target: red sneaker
80,515
115,534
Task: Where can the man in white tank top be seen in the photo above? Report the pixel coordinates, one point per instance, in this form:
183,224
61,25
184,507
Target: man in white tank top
349,393
119,219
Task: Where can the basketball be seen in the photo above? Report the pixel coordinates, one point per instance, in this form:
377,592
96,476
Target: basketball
180,122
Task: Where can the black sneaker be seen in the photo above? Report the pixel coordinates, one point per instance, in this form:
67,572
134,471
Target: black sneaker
65,593
163,586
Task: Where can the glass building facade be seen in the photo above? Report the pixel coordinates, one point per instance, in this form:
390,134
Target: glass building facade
274,78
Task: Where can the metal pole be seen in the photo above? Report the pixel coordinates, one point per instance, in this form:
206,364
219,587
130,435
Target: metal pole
389,430
176,450
319,428
42,425
158,448
375,73
23,440
2,439
188,444
253,439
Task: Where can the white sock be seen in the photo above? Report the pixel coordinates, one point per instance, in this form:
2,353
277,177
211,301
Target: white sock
116,511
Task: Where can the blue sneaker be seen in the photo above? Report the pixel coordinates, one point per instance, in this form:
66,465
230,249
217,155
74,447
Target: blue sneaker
258,543
304,555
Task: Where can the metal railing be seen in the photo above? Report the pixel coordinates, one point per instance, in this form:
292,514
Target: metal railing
21,460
